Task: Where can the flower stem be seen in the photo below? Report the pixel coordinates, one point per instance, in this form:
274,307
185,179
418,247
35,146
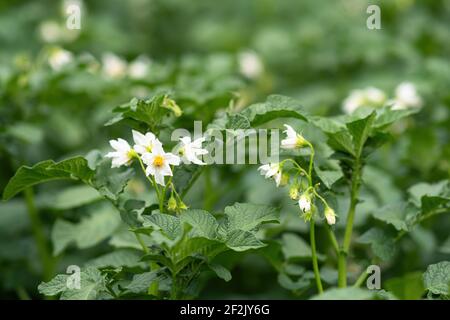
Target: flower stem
314,258
39,237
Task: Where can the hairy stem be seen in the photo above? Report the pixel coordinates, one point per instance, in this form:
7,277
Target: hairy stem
314,258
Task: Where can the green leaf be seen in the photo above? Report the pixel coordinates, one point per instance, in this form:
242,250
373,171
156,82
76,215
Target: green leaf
382,244
74,168
246,216
220,271
239,240
387,116
202,222
141,282
360,131
437,278
350,293
71,197
92,283
430,196
301,283
168,224
57,285
88,232
342,141
294,247
276,106
395,214
328,177
407,287
119,258
111,182
149,112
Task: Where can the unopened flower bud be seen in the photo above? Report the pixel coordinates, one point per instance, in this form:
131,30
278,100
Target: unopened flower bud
330,215
293,192
172,204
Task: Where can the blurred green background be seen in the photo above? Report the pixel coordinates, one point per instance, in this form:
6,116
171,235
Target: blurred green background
206,53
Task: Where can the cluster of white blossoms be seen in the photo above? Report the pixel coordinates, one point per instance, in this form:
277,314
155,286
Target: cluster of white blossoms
369,97
115,67
305,200
149,150
406,96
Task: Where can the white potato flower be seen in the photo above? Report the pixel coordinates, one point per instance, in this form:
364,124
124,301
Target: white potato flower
271,170
190,150
406,96
293,140
330,216
158,163
305,203
113,66
250,64
370,97
145,143
123,154
139,68
50,31
59,58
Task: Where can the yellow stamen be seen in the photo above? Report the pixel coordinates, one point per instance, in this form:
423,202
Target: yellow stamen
158,161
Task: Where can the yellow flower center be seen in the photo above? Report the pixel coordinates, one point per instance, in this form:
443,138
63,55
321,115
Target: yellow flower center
158,161
149,148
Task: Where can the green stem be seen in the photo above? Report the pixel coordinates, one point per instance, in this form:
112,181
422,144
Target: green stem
141,242
39,236
361,279
314,258
354,193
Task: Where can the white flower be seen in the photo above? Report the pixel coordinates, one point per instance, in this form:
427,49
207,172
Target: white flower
375,96
406,96
370,97
293,140
330,216
59,58
50,31
271,170
114,66
305,203
190,150
139,68
123,155
158,163
250,65
145,143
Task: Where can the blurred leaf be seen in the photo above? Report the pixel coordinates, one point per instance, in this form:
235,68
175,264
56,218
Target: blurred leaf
437,278
88,232
220,271
74,168
350,293
408,287
382,244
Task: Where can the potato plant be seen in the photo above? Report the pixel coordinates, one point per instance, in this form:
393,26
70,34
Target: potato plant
137,174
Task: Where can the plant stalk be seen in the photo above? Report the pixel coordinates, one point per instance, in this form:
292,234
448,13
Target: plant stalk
354,194
314,257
